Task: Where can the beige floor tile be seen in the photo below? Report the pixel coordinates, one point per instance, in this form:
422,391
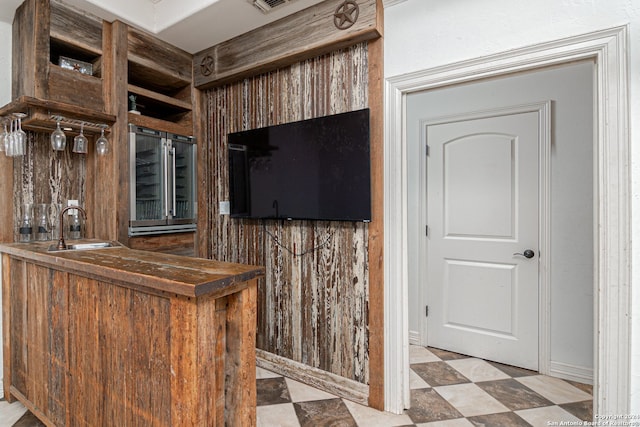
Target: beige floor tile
263,373
10,412
300,392
477,370
542,417
415,381
470,400
370,417
419,354
554,389
459,422
282,415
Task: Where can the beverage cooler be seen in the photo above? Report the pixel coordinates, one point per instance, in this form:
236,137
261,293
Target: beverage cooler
163,181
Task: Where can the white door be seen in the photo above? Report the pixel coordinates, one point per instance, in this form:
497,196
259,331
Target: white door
482,244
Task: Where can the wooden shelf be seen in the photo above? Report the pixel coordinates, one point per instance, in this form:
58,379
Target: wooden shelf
161,125
39,114
160,98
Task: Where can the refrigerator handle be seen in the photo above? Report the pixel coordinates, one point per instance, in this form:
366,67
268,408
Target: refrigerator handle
165,149
173,179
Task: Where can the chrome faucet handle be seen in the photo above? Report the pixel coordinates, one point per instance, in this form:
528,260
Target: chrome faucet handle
61,244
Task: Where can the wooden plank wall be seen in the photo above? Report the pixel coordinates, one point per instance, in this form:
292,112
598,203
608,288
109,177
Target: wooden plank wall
312,308
46,176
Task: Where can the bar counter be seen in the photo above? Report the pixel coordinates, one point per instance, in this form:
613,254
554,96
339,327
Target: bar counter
115,336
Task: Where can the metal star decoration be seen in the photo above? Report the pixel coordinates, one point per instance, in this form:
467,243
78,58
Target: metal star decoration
346,15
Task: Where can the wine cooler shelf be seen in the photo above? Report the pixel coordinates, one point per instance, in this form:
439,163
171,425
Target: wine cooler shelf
163,194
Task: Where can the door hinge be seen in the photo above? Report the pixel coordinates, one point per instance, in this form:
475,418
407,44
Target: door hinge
426,230
426,150
426,311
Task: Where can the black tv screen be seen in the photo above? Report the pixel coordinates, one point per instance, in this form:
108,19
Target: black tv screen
310,169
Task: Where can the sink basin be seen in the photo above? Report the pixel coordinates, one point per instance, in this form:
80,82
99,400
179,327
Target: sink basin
93,245
83,246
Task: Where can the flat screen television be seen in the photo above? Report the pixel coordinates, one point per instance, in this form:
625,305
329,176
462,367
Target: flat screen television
316,169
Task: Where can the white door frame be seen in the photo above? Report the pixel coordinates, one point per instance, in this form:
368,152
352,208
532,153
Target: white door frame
612,238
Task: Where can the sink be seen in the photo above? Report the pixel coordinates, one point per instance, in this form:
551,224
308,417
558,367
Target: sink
93,245
83,246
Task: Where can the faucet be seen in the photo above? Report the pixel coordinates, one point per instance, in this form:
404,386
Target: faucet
61,244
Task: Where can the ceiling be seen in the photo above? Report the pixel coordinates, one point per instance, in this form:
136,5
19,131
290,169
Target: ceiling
192,25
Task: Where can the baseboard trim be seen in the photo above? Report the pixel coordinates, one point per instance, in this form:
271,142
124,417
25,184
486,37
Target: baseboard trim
414,338
569,372
322,380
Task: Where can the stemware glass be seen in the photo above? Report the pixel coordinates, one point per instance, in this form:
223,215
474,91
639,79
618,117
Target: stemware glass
80,142
54,213
20,137
58,139
102,144
9,140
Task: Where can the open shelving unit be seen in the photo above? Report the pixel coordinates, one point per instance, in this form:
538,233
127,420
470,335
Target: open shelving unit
113,61
159,77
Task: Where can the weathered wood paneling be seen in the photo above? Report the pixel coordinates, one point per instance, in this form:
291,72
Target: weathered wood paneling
84,348
305,34
46,176
312,308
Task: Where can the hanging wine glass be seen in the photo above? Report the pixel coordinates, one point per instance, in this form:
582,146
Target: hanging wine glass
9,140
80,142
102,144
20,136
58,139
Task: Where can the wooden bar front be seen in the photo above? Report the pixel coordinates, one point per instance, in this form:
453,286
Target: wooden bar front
121,337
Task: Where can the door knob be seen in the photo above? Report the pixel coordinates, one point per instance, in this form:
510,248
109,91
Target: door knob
528,253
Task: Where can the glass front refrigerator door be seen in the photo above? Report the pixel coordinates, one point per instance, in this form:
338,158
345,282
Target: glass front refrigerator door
183,194
149,199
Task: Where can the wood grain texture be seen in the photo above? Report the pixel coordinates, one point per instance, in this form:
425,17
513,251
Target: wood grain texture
44,176
76,28
114,168
7,327
177,243
30,49
37,26
72,87
158,61
86,351
376,227
314,308
306,34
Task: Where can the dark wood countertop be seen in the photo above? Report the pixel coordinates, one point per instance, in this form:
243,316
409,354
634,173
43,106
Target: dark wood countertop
181,275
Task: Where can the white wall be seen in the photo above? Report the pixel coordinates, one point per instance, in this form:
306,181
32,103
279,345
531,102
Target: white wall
5,62
5,97
423,34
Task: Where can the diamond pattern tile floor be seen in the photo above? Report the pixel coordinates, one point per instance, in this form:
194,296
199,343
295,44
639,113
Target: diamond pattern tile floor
447,390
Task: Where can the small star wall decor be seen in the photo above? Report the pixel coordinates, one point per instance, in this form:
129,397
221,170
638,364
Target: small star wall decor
346,15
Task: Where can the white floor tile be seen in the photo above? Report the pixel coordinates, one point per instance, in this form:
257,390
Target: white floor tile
263,373
477,370
10,413
542,417
365,416
416,381
470,400
554,389
282,415
419,354
300,392
458,422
